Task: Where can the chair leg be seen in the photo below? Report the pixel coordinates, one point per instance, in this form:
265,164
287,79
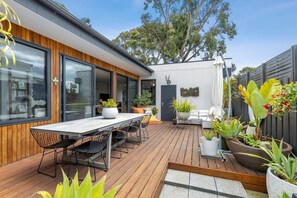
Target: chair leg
39,166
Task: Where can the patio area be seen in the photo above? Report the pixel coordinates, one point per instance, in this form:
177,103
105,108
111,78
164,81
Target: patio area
141,172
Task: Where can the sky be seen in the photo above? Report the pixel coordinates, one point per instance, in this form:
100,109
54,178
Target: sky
265,28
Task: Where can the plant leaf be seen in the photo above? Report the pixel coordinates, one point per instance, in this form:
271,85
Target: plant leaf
269,88
258,103
98,189
85,188
111,193
44,194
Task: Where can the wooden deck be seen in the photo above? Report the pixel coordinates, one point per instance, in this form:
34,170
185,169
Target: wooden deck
141,171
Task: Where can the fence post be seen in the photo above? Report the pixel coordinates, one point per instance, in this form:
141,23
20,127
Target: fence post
294,61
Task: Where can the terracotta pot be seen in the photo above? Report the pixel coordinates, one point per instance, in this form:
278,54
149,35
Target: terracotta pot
277,186
253,163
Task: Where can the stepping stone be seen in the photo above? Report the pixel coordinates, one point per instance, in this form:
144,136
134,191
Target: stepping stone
179,178
230,188
203,183
200,194
170,191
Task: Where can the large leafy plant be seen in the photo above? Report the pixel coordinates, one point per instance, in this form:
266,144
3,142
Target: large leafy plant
182,106
258,99
7,15
229,129
83,190
142,100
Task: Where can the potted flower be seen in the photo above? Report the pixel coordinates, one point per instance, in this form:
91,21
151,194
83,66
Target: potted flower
182,108
281,176
260,101
251,129
210,143
110,109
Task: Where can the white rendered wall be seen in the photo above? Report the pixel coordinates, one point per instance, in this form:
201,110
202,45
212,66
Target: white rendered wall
185,75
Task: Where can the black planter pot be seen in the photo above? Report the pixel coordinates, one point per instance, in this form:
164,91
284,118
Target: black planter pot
237,147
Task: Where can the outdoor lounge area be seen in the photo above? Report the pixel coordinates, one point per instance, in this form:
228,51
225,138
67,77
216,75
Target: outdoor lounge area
141,171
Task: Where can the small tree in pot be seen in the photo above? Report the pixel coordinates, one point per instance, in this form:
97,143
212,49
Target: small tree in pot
210,143
182,108
110,109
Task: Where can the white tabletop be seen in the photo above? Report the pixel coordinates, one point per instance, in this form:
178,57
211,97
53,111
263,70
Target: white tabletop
87,125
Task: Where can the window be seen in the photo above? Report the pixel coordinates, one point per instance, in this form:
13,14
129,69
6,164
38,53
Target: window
149,86
24,87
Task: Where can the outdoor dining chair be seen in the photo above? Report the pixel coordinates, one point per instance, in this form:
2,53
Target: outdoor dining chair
144,123
132,130
120,134
95,146
52,142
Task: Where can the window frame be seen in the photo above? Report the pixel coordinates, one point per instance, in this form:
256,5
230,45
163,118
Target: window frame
141,91
47,81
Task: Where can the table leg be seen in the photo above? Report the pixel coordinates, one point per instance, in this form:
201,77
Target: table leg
108,151
140,132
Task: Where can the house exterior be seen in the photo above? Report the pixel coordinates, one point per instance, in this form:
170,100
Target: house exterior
64,69
192,81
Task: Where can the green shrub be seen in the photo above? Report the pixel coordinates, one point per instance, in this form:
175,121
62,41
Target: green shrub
155,110
84,190
110,103
229,129
182,106
142,100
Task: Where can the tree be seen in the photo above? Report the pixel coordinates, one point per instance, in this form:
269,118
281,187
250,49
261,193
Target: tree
179,31
86,20
7,15
244,71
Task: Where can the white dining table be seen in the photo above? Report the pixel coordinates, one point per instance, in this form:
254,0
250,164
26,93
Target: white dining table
86,126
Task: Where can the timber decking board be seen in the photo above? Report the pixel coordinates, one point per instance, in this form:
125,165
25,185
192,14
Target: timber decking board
141,172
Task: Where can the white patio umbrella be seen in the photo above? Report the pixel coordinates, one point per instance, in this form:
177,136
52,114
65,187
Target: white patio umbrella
217,91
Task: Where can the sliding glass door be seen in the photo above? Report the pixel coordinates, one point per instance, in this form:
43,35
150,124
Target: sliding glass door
132,92
77,90
103,89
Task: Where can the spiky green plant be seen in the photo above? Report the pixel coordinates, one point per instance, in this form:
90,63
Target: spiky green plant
182,106
209,135
229,129
7,15
284,167
84,190
110,103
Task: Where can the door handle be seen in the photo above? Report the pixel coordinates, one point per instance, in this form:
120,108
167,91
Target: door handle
162,104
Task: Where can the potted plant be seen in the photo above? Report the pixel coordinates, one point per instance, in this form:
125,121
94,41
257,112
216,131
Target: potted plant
182,108
155,111
260,101
110,109
141,102
210,143
251,128
281,176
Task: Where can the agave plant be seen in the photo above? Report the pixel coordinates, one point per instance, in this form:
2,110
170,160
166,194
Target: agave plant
209,135
7,15
229,129
84,190
258,99
284,167
182,106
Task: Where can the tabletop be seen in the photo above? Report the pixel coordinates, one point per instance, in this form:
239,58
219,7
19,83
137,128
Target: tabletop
87,125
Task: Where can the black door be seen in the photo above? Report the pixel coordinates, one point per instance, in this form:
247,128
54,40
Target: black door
168,93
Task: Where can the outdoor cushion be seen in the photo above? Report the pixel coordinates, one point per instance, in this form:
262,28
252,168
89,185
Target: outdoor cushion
154,120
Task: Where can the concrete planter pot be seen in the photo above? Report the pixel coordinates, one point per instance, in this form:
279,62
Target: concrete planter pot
237,147
110,113
183,115
210,147
276,186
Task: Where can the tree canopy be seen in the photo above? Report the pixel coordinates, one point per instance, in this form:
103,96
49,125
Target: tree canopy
179,31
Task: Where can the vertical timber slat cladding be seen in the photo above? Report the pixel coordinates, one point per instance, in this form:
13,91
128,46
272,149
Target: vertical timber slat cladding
284,68
16,141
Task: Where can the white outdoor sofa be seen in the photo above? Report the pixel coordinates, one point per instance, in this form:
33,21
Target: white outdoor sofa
200,117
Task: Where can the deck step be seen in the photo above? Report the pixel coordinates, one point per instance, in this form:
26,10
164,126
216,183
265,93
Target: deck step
191,185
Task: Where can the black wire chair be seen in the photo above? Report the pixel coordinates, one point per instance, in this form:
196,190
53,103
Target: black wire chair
132,131
96,145
52,142
120,134
144,123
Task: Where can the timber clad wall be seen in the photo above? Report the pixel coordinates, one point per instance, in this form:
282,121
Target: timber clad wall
284,68
15,140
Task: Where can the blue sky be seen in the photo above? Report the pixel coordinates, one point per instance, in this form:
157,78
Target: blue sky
265,27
